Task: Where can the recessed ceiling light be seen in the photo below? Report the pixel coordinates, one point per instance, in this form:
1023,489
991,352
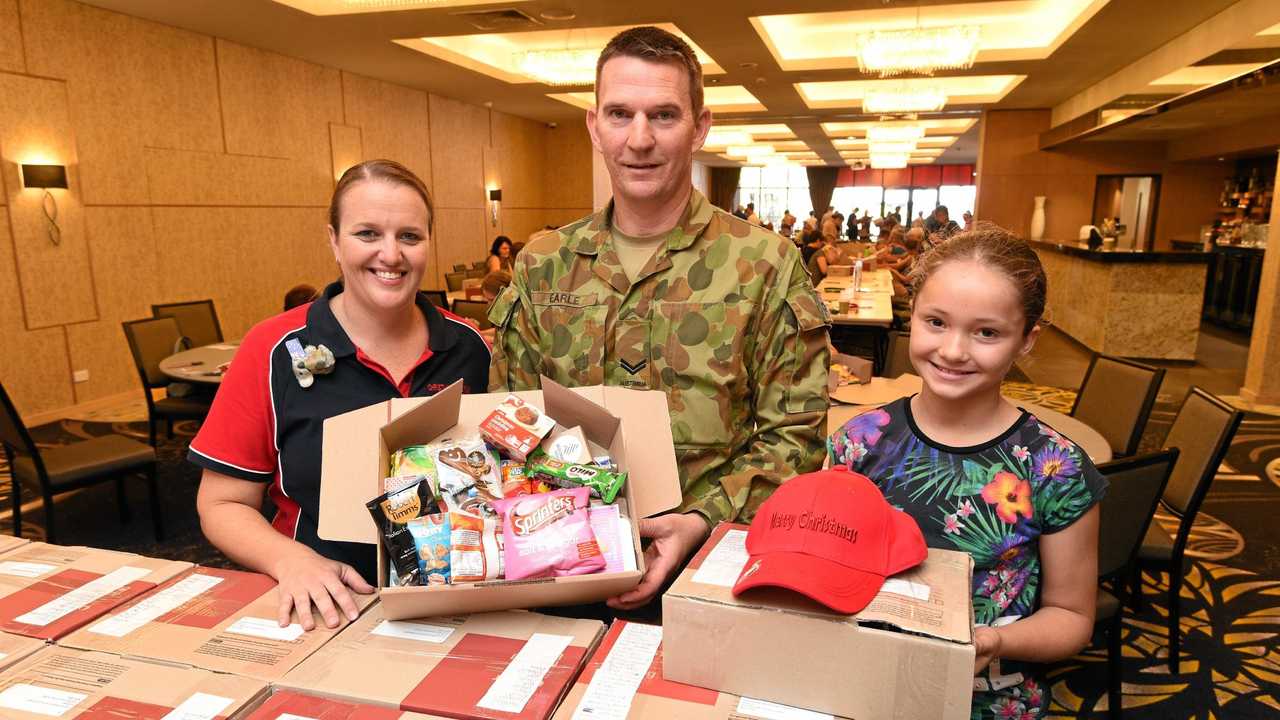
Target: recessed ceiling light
557,14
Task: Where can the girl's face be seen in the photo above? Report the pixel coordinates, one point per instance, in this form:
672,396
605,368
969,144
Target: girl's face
966,330
382,244
504,250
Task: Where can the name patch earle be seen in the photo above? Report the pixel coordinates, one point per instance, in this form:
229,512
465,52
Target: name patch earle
565,299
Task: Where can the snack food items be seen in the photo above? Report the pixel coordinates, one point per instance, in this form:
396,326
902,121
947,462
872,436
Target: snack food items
516,427
613,536
431,540
548,535
391,512
602,483
475,548
413,460
515,481
468,475
567,446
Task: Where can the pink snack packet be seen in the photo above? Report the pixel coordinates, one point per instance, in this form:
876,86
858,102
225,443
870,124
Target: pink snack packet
548,535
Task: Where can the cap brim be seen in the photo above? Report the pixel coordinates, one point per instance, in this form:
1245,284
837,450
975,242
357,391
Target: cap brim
840,588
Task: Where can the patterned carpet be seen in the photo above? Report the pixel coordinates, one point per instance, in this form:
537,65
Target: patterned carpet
1231,597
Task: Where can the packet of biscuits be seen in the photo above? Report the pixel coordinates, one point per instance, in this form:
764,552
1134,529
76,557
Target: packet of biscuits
515,427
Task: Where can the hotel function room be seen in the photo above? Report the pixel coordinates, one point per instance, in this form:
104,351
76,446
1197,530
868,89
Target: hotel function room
168,168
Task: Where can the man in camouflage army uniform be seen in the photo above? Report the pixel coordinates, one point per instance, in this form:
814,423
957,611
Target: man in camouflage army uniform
661,290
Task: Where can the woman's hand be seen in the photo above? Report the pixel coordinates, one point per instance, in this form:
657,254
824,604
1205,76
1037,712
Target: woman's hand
306,579
986,646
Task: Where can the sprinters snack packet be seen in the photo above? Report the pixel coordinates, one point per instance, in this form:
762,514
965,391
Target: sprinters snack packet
392,512
548,535
431,540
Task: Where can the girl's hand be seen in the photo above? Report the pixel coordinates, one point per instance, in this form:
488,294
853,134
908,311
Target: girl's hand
986,645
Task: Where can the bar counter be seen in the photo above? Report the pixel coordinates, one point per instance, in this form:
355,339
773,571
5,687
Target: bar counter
1124,302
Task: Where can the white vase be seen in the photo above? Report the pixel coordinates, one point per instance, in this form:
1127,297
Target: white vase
1037,219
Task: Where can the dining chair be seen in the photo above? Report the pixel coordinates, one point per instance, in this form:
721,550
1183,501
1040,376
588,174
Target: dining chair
197,320
437,297
1115,399
453,280
150,341
473,310
460,267
480,264
476,273
897,358
1202,432
70,467
1136,484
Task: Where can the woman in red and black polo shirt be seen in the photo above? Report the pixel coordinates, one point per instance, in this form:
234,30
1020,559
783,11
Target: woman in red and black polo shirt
264,432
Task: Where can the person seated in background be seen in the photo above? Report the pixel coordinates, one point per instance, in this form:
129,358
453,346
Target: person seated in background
812,243
941,224
752,217
788,222
500,254
820,261
886,225
864,226
299,295
892,249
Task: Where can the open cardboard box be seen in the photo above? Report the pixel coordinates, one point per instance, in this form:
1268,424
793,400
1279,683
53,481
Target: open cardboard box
634,425
859,367
907,655
65,683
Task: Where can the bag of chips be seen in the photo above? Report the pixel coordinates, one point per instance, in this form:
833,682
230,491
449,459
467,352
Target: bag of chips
431,538
475,547
548,535
391,512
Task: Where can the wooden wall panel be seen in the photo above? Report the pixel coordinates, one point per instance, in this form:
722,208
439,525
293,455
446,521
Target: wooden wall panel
460,238
127,279
459,132
56,281
180,177
10,37
395,122
518,149
566,167
132,84
347,145
258,254
277,106
33,364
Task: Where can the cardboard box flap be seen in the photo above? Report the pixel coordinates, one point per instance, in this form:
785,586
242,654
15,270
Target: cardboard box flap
408,423
650,449
350,472
572,409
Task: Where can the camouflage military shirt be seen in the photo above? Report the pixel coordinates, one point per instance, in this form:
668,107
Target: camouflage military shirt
723,319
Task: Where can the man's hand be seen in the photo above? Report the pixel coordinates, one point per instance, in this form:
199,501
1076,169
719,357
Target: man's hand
673,537
986,646
307,579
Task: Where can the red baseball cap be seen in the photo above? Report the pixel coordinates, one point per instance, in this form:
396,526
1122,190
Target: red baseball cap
832,536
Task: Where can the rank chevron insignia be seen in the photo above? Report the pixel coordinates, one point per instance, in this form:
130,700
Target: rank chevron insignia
633,369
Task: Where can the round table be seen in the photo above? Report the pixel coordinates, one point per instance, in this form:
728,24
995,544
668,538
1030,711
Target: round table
200,365
1089,440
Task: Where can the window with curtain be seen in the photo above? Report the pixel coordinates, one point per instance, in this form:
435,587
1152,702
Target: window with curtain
774,189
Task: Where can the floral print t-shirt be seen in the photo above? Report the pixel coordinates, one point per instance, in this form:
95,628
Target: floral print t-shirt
993,501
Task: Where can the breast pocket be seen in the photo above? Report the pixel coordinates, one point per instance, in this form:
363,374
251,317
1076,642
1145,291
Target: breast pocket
699,351
571,342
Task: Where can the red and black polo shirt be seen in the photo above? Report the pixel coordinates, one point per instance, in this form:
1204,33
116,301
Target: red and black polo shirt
265,427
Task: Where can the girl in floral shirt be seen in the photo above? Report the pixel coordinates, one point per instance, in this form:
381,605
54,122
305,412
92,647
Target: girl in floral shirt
983,476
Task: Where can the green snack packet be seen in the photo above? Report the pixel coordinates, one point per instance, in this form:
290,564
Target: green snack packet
602,483
414,460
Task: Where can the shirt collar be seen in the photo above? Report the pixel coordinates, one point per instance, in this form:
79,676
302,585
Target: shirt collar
590,238
323,327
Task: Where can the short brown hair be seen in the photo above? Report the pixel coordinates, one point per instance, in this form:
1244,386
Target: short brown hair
994,247
657,45
388,171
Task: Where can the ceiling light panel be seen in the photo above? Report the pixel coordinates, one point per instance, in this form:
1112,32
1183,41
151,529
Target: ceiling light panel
965,90
1198,76
949,126
1008,30
501,55
720,98
353,7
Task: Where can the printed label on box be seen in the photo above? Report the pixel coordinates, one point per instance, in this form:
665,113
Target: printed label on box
200,706
25,569
263,628
421,632
773,711
153,607
40,700
914,590
60,607
517,683
612,689
725,561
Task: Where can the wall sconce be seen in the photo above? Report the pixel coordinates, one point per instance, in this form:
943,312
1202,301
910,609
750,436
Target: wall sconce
495,199
45,177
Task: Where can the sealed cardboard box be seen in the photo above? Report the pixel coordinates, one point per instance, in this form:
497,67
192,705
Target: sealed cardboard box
908,654
9,542
68,684
289,705
512,664
634,426
623,680
14,648
47,591
223,620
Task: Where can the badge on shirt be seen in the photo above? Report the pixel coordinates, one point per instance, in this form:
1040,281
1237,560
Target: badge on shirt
564,299
309,361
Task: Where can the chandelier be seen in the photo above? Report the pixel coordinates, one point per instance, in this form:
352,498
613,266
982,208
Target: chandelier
917,50
894,133
749,150
905,97
559,67
892,148
889,161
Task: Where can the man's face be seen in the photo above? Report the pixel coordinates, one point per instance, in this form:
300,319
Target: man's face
645,128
